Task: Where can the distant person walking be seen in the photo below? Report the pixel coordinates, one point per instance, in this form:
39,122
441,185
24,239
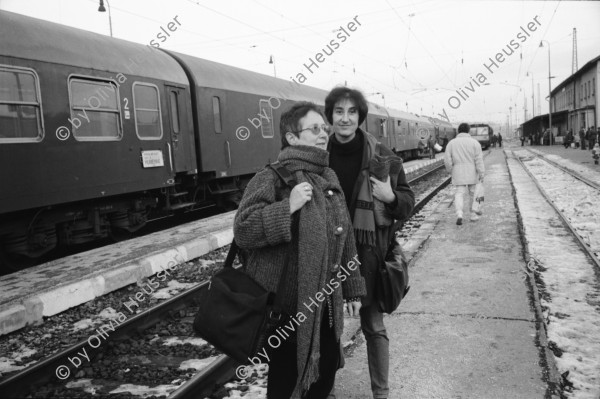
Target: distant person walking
464,159
591,137
431,143
499,140
582,138
568,139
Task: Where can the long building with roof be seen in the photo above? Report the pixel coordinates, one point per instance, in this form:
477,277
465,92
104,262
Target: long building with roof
574,103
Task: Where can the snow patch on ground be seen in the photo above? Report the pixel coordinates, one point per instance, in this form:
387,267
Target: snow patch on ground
171,289
583,170
255,390
178,341
85,384
573,320
102,317
145,391
8,364
197,364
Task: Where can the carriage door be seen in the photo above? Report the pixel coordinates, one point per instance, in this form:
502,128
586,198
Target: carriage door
180,147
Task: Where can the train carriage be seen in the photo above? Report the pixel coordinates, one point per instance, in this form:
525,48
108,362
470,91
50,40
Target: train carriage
236,121
376,123
68,99
99,135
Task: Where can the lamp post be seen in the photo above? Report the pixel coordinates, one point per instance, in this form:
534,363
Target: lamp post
509,120
272,61
102,9
532,95
549,92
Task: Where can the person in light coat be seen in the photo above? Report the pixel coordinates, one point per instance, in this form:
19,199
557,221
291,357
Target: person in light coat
464,159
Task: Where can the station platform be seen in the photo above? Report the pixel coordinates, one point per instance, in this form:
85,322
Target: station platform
50,288
582,157
457,334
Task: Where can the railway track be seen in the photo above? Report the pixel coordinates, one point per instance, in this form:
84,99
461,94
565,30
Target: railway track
50,377
580,187
559,213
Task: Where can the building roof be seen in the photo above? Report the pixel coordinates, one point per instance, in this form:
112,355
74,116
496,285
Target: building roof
588,65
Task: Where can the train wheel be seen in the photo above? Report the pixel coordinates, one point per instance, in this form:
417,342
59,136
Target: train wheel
230,202
117,234
10,262
21,250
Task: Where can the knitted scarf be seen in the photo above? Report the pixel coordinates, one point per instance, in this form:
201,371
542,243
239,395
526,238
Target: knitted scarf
308,164
364,218
381,167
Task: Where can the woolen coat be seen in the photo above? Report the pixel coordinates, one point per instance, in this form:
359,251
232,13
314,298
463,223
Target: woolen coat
318,244
464,159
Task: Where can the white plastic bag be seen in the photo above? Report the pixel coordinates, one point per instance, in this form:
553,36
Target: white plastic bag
478,198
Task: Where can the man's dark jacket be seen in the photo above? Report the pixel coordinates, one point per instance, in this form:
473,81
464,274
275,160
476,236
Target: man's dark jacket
400,209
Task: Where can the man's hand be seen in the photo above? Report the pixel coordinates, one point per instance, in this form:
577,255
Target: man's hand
382,190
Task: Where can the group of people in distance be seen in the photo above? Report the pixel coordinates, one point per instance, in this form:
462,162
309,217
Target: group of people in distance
590,136
585,139
350,189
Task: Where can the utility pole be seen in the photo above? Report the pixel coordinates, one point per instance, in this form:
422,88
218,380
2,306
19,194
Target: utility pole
574,61
539,100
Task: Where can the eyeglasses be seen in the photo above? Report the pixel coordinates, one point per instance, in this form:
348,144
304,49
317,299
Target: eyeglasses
316,129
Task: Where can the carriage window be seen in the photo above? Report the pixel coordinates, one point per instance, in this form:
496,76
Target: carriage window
174,111
217,114
20,106
95,106
266,118
146,104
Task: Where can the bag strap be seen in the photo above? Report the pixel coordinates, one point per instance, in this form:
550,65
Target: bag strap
285,175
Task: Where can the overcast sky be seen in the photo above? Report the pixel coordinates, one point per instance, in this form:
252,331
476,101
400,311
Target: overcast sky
416,53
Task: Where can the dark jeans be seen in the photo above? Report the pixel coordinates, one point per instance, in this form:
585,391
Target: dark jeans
378,349
283,371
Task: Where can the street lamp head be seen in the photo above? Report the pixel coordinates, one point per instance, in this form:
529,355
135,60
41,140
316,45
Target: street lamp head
101,8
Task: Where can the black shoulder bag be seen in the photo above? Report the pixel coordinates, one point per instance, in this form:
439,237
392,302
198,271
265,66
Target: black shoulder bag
237,314
392,280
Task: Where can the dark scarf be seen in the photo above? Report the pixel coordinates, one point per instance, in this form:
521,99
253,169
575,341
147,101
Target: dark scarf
363,219
381,167
309,164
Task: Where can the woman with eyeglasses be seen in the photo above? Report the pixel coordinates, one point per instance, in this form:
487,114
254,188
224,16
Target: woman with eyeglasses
308,227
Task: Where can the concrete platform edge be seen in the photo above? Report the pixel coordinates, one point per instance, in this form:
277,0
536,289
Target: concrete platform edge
31,310
553,377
